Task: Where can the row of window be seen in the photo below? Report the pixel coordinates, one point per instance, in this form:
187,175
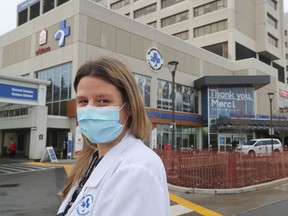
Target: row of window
176,18
273,4
35,9
210,7
210,28
272,21
59,91
272,40
144,11
14,112
185,137
184,35
203,9
119,4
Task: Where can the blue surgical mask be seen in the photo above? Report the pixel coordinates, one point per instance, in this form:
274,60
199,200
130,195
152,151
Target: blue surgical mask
100,124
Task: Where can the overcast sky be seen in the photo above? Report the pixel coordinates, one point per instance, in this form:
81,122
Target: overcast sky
8,9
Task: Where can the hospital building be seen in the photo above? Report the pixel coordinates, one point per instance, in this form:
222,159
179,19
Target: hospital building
230,54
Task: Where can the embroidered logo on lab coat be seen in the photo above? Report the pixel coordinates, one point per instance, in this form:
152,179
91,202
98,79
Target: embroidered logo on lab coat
84,207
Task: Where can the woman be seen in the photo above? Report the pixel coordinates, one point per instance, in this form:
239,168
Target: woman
116,174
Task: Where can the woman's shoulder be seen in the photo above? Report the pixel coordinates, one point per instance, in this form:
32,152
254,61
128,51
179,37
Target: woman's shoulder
138,152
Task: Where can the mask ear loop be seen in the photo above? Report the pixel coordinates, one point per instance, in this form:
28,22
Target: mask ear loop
127,115
122,106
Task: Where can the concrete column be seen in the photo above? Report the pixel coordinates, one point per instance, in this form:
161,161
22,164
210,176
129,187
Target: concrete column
38,132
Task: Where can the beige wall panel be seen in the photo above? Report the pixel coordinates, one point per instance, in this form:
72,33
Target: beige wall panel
93,32
191,65
180,57
214,70
122,41
169,55
108,37
147,44
136,48
80,28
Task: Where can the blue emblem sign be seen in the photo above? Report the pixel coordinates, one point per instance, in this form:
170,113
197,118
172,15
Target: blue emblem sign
18,92
154,59
62,33
85,206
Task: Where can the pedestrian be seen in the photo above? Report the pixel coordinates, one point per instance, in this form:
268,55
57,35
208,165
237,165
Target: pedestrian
12,149
116,173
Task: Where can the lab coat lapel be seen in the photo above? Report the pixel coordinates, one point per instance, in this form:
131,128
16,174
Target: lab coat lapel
110,159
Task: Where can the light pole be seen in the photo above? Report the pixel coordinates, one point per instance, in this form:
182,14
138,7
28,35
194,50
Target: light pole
271,131
172,65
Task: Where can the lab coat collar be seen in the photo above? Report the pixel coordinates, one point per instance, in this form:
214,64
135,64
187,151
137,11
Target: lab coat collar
109,159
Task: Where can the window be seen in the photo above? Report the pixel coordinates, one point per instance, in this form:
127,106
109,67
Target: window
59,91
210,7
186,137
60,2
167,3
119,4
272,40
48,5
35,10
175,19
243,52
285,32
272,21
210,28
144,11
182,35
143,83
22,17
273,4
220,49
153,24
185,97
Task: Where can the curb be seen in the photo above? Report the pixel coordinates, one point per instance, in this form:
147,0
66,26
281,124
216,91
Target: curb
227,191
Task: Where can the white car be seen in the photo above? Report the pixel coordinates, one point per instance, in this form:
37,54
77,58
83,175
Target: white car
259,147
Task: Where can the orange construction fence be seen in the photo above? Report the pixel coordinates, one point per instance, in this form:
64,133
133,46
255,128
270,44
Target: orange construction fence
221,170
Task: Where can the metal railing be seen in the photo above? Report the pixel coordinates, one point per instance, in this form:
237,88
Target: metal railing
223,170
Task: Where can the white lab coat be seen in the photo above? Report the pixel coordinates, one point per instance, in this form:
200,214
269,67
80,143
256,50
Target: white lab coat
130,180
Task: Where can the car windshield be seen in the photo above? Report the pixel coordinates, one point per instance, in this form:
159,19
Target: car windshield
250,142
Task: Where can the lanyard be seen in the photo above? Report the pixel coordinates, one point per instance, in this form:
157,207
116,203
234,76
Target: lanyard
93,164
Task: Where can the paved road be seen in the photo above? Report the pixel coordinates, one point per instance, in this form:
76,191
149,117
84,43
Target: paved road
31,193
13,168
262,202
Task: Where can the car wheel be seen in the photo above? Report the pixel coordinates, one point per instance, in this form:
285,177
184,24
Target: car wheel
251,154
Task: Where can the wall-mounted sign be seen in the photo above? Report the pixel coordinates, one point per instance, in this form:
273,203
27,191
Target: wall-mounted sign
228,102
18,92
62,33
43,37
43,50
69,145
154,59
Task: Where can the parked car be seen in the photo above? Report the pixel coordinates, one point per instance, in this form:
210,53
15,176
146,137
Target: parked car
259,147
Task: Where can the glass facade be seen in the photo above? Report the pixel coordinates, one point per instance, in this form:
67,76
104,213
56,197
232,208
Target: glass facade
185,136
143,83
59,91
185,97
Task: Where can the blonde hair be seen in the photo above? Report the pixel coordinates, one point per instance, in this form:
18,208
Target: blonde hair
120,76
